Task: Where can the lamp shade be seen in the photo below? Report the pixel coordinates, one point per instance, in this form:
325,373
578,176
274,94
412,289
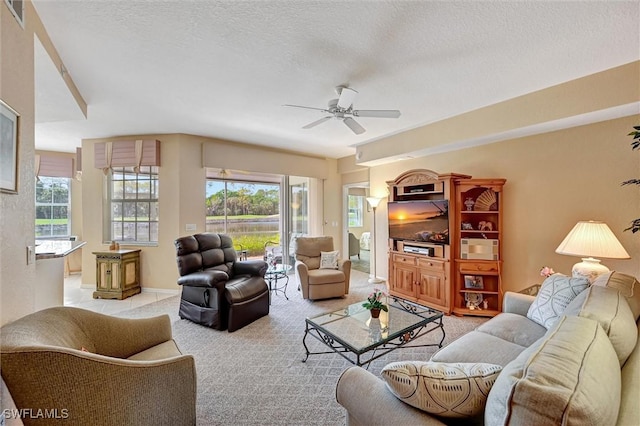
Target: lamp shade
593,239
373,201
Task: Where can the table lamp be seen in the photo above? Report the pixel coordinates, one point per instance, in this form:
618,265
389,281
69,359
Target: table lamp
591,239
373,202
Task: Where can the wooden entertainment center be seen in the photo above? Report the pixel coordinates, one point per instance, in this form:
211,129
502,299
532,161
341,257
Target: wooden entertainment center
464,276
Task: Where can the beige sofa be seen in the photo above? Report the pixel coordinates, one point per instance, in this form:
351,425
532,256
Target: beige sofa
583,370
84,368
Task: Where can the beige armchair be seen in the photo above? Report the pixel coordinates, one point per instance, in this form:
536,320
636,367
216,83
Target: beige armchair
317,283
354,246
97,369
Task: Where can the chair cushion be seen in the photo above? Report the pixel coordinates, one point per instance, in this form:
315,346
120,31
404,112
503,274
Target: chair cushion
245,288
560,380
625,284
479,347
513,328
329,259
308,249
445,389
554,296
164,350
610,308
326,276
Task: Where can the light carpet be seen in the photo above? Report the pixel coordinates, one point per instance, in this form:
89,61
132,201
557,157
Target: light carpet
255,376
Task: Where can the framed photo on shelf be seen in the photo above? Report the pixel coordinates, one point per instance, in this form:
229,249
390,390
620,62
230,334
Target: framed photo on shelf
474,282
9,121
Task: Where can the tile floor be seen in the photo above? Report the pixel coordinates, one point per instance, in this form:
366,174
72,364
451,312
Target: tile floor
75,295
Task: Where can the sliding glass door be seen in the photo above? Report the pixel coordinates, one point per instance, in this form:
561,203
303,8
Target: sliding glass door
249,212
258,210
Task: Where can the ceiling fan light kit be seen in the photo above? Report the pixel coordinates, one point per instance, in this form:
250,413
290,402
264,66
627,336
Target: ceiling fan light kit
342,108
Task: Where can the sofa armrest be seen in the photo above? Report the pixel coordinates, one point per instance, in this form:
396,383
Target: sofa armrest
207,278
517,303
369,402
250,267
122,391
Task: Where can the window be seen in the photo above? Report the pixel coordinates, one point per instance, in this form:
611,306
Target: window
356,204
249,212
53,207
132,203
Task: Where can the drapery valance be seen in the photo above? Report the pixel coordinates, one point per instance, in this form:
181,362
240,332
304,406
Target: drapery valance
130,153
53,166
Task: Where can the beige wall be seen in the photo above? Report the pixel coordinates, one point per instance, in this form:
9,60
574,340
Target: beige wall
553,181
182,181
17,212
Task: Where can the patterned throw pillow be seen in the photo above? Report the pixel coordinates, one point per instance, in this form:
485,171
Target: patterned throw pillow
329,259
553,297
445,389
627,285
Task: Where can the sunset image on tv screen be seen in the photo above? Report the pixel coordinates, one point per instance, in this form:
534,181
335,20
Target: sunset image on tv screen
419,221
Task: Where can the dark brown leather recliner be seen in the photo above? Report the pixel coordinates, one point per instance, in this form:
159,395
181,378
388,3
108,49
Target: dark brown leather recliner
219,291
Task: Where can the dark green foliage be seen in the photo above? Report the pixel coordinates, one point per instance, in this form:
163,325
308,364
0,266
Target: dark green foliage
635,144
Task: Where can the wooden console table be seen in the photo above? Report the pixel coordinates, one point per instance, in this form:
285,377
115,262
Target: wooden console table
117,274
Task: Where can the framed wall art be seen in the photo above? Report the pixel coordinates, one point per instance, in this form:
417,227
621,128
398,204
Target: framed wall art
9,139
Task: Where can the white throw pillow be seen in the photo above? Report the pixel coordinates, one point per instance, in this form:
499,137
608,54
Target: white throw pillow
553,297
329,259
445,389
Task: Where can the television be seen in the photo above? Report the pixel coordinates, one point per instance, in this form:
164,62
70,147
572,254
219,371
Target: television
419,220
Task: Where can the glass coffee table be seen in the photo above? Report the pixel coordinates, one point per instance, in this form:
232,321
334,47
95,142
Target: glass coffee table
353,334
273,274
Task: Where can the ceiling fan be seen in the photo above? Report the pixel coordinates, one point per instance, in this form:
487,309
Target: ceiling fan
342,109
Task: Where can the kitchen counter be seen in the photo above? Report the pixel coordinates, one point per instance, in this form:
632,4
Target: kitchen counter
49,249
50,257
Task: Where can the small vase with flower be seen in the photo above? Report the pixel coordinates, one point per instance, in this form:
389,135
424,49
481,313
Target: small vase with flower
374,303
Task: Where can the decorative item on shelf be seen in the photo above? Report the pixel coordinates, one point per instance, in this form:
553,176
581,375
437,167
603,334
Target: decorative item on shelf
485,225
473,300
589,239
485,304
466,226
374,303
547,271
469,203
473,281
487,201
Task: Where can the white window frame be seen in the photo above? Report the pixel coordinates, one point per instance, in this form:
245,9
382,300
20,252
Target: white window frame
146,174
358,210
52,204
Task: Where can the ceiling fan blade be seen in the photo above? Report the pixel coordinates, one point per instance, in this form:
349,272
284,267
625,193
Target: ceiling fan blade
380,113
354,126
347,97
315,123
305,107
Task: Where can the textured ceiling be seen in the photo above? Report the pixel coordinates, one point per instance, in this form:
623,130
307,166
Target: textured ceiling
224,69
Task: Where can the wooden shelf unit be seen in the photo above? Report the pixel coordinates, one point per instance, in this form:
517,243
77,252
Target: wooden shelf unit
478,253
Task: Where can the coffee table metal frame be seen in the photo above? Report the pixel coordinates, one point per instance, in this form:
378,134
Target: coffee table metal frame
273,274
426,321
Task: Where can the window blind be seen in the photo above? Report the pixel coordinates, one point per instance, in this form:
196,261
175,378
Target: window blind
54,166
125,154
